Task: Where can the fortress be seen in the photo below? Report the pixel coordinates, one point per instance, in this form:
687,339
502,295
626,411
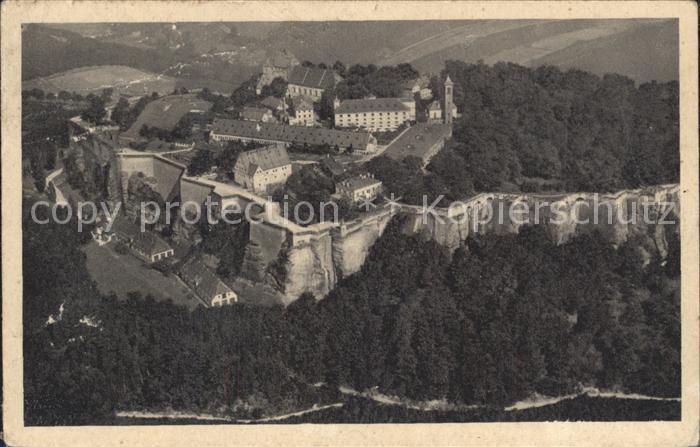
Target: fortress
319,255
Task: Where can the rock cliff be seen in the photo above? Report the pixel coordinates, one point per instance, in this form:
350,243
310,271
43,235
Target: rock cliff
315,266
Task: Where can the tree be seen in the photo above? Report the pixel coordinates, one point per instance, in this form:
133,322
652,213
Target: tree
201,163
95,112
107,94
278,88
120,113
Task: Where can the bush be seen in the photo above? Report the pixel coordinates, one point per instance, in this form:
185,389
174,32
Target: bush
121,248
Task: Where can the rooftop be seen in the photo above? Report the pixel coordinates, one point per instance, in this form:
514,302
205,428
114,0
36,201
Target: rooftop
291,134
332,165
253,113
204,282
265,158
358,182
418,140
302,103
272,102
371,105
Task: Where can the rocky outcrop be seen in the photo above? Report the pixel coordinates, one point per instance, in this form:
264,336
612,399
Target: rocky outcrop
311,269
315,265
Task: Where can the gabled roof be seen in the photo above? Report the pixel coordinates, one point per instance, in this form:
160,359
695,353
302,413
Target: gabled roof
123,227
358,182
253,113
312,77
332,165
302,103
265,158
204,282
272,102
150,243
435,105
145,241
372,105
291,134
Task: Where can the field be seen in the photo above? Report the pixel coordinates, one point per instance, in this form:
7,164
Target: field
123,273
124,80
165,112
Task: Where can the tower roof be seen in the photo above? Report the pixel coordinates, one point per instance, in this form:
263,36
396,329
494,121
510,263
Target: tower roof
448,81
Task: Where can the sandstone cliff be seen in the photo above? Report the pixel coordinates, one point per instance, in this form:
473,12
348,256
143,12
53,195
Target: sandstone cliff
646,214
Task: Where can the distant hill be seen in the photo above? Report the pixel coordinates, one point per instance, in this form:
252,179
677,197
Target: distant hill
645,53
124,80
642,49
46,51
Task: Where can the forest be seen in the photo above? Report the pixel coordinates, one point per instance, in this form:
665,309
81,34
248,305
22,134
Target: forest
500,319
523,126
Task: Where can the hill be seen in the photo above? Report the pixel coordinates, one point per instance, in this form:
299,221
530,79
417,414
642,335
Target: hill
124,80
644,51
641,50
47,51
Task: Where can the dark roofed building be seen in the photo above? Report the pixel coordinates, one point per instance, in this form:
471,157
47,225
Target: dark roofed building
361,187
332,167
206,284
273,103
422,140
248,131
257,114
145,244
310,81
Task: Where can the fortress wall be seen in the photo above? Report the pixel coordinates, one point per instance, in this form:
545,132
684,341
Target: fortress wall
128,164
168,175
194,191
269,238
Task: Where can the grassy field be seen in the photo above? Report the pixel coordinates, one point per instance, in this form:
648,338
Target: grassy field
165,112
122,274
124,80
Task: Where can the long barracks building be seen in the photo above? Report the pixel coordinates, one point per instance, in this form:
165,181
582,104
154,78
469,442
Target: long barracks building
248,131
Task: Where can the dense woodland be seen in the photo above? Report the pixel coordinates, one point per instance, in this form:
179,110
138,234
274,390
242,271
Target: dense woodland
592,133
503,317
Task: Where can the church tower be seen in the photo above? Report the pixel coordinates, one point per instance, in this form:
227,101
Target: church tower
449,104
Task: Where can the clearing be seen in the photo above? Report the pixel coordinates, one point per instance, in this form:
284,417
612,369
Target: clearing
124,80
122,274
164,113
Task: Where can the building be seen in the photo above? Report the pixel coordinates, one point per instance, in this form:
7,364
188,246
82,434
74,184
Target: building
419,86
332,167
450,110
359,188
261,170
144,244
423,140
276,66
379,114
310,81
247,131
261,114
275,104
435,112
304,113
206,284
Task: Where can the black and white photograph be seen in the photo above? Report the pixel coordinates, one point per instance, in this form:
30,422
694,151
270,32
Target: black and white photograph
283,222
